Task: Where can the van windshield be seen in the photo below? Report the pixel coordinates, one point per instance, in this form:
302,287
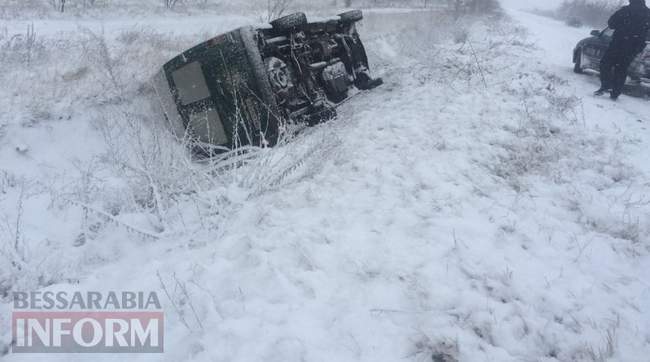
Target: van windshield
190,83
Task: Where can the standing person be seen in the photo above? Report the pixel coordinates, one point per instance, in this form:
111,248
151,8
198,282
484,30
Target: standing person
631,25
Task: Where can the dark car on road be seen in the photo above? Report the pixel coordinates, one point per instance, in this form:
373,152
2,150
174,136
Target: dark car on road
241,87
589,52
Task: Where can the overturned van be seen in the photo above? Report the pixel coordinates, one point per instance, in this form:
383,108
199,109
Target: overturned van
239,88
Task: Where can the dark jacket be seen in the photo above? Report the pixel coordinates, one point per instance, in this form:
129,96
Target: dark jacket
631,25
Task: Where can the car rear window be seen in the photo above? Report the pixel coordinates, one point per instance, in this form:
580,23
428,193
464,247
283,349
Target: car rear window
190,83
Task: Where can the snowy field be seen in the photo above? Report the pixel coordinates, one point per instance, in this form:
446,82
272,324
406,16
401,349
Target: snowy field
481,205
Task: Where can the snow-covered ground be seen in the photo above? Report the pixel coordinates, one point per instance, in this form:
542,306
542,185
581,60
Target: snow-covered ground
481,204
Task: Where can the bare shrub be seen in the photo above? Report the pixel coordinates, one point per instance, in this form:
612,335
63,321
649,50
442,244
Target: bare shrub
482,6
574,22
21,47
58,5
538,143
443,350
461,7
97,52
181,299
592,12
157,169
123,66
23,265
170,4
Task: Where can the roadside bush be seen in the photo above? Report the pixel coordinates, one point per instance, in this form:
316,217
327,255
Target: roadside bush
574,22
21,47
591,12
483,6
461,7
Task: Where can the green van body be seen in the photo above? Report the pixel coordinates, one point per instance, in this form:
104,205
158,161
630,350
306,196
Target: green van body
214,94
238,88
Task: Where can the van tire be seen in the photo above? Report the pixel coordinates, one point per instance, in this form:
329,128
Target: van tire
290,21
351,16
268,134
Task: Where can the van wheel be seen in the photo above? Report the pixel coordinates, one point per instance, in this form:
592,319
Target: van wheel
268,132
290,21
351,16
577,60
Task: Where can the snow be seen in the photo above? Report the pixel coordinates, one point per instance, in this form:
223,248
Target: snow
481,203
531,4
51,27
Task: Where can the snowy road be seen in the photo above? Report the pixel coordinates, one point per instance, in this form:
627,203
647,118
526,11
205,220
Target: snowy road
630,116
